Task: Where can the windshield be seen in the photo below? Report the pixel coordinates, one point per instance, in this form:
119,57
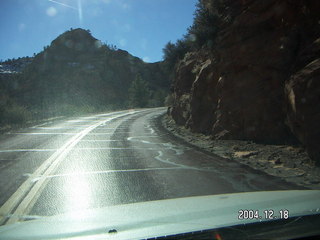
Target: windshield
112,102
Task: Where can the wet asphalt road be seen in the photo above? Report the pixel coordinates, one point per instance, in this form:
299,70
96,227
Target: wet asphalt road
110,159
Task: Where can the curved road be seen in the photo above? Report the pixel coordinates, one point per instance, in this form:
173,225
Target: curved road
109,159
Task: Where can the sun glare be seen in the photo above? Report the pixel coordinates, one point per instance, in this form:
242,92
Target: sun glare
80,12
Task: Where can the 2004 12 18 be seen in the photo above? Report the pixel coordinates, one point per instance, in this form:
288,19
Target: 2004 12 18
268,214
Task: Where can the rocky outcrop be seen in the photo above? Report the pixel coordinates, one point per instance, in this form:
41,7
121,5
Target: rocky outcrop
260,81
14,65
302,92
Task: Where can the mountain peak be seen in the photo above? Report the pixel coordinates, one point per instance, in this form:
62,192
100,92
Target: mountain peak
79,32
77,39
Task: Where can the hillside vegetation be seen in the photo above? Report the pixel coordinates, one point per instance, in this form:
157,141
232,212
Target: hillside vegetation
77,74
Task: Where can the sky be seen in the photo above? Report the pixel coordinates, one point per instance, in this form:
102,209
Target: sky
141,27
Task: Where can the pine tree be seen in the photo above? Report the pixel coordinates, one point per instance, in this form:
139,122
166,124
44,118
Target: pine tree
205,24
139,93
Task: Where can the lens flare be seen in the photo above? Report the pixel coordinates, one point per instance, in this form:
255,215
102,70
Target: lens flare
80,12
79,9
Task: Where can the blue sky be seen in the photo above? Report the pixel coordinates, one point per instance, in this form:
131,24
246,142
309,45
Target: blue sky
142,27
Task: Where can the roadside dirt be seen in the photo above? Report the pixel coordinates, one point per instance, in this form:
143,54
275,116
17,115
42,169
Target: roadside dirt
289,162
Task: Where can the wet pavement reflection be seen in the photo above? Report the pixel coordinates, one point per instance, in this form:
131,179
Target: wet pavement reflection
112,159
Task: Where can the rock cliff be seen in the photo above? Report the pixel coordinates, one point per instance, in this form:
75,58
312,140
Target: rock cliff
259,80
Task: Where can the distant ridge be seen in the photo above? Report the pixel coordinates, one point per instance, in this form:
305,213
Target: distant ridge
78,73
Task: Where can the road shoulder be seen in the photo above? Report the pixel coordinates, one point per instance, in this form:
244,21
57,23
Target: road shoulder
289,162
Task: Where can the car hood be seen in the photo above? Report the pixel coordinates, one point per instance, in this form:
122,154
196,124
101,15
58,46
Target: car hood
164,217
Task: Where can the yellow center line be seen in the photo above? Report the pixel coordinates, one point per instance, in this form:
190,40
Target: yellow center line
28,193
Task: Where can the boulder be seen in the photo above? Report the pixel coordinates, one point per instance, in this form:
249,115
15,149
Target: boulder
303,109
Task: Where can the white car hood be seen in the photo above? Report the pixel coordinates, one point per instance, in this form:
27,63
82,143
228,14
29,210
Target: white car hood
163,217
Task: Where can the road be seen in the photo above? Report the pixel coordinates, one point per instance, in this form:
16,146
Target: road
110,159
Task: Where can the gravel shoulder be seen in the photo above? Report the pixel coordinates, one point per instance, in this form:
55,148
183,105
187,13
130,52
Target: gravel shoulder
289,162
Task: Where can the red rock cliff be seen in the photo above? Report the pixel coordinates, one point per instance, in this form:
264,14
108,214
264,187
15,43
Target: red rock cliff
260,80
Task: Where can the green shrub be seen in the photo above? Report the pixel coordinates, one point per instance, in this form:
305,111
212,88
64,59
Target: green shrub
139,93
74,110
15,114
173,52
205,25
168,100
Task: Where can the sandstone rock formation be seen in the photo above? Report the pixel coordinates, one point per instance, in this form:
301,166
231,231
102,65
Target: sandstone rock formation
302,91
260,80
